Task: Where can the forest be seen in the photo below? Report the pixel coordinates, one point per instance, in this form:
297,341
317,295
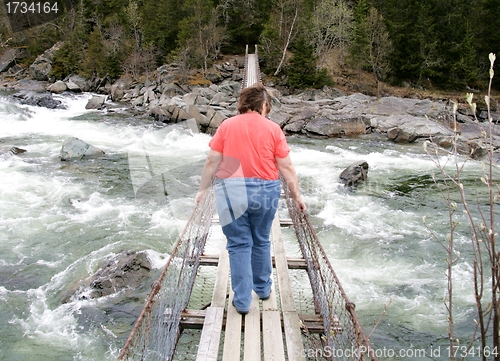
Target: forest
441,44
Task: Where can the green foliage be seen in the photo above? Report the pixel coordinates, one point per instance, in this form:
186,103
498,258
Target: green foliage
359,48
244,22
302,71
434,42
269,50
66,61
94,63
162,25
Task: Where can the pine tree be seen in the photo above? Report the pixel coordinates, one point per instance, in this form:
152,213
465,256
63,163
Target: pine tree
359,48
302,71
94,63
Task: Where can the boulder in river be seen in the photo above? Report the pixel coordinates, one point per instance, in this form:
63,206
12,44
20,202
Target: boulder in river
96,102
125,270
8,151
57,87
74,148
354,174
39,99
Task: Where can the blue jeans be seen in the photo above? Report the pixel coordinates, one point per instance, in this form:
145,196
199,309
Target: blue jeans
246,208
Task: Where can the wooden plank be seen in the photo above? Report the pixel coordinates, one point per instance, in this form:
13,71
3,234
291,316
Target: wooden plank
208,348
220,288
283,221
272,335
193,319
286,295
232,335
252,331
293,335
293,263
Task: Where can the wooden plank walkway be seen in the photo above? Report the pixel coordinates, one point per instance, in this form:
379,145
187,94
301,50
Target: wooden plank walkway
271,331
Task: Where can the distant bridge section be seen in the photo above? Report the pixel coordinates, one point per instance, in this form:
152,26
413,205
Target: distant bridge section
252,69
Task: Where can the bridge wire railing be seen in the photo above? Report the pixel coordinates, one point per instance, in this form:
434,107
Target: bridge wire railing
156,332
245,73
343,333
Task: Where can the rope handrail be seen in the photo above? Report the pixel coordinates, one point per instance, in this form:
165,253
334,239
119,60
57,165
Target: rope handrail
156,331
330,299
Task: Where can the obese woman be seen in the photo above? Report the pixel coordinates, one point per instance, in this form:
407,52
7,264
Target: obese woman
245,155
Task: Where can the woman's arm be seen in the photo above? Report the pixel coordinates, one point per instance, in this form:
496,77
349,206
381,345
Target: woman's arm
287,170
209,169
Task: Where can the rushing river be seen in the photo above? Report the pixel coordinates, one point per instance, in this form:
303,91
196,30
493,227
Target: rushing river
60,220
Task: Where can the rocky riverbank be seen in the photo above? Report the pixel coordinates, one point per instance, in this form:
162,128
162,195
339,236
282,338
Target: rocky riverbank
170,97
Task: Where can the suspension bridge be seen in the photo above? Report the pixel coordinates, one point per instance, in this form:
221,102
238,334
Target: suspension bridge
307,317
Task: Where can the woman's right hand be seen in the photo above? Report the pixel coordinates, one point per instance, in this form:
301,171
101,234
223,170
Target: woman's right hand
200,196
300,204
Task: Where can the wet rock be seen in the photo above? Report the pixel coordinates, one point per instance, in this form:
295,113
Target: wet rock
354,174
74,148
8,151
77,84
40,99
85,85
58,87
96,102
400,136
127,270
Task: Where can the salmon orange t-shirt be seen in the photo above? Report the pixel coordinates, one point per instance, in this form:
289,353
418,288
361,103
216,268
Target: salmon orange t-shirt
249,144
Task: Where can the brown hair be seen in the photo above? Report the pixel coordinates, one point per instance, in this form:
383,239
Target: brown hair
252,98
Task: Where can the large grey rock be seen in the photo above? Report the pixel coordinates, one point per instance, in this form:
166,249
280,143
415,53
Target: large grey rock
429,108
42,66
340,126
10,57
77,84
194,112
354,174
127,270
57,87
160,113
74,148
295,126
216,119
420,127
220,98
96,102
214,76
390,106
40,99
400,136
173,89
232,88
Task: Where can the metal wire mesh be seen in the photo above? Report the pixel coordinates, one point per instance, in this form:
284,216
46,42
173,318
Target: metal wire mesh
156,331
343,334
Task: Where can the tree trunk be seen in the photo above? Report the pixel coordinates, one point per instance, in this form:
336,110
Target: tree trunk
286,44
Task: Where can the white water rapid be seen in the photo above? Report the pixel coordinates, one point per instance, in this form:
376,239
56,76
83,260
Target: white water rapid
60,220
